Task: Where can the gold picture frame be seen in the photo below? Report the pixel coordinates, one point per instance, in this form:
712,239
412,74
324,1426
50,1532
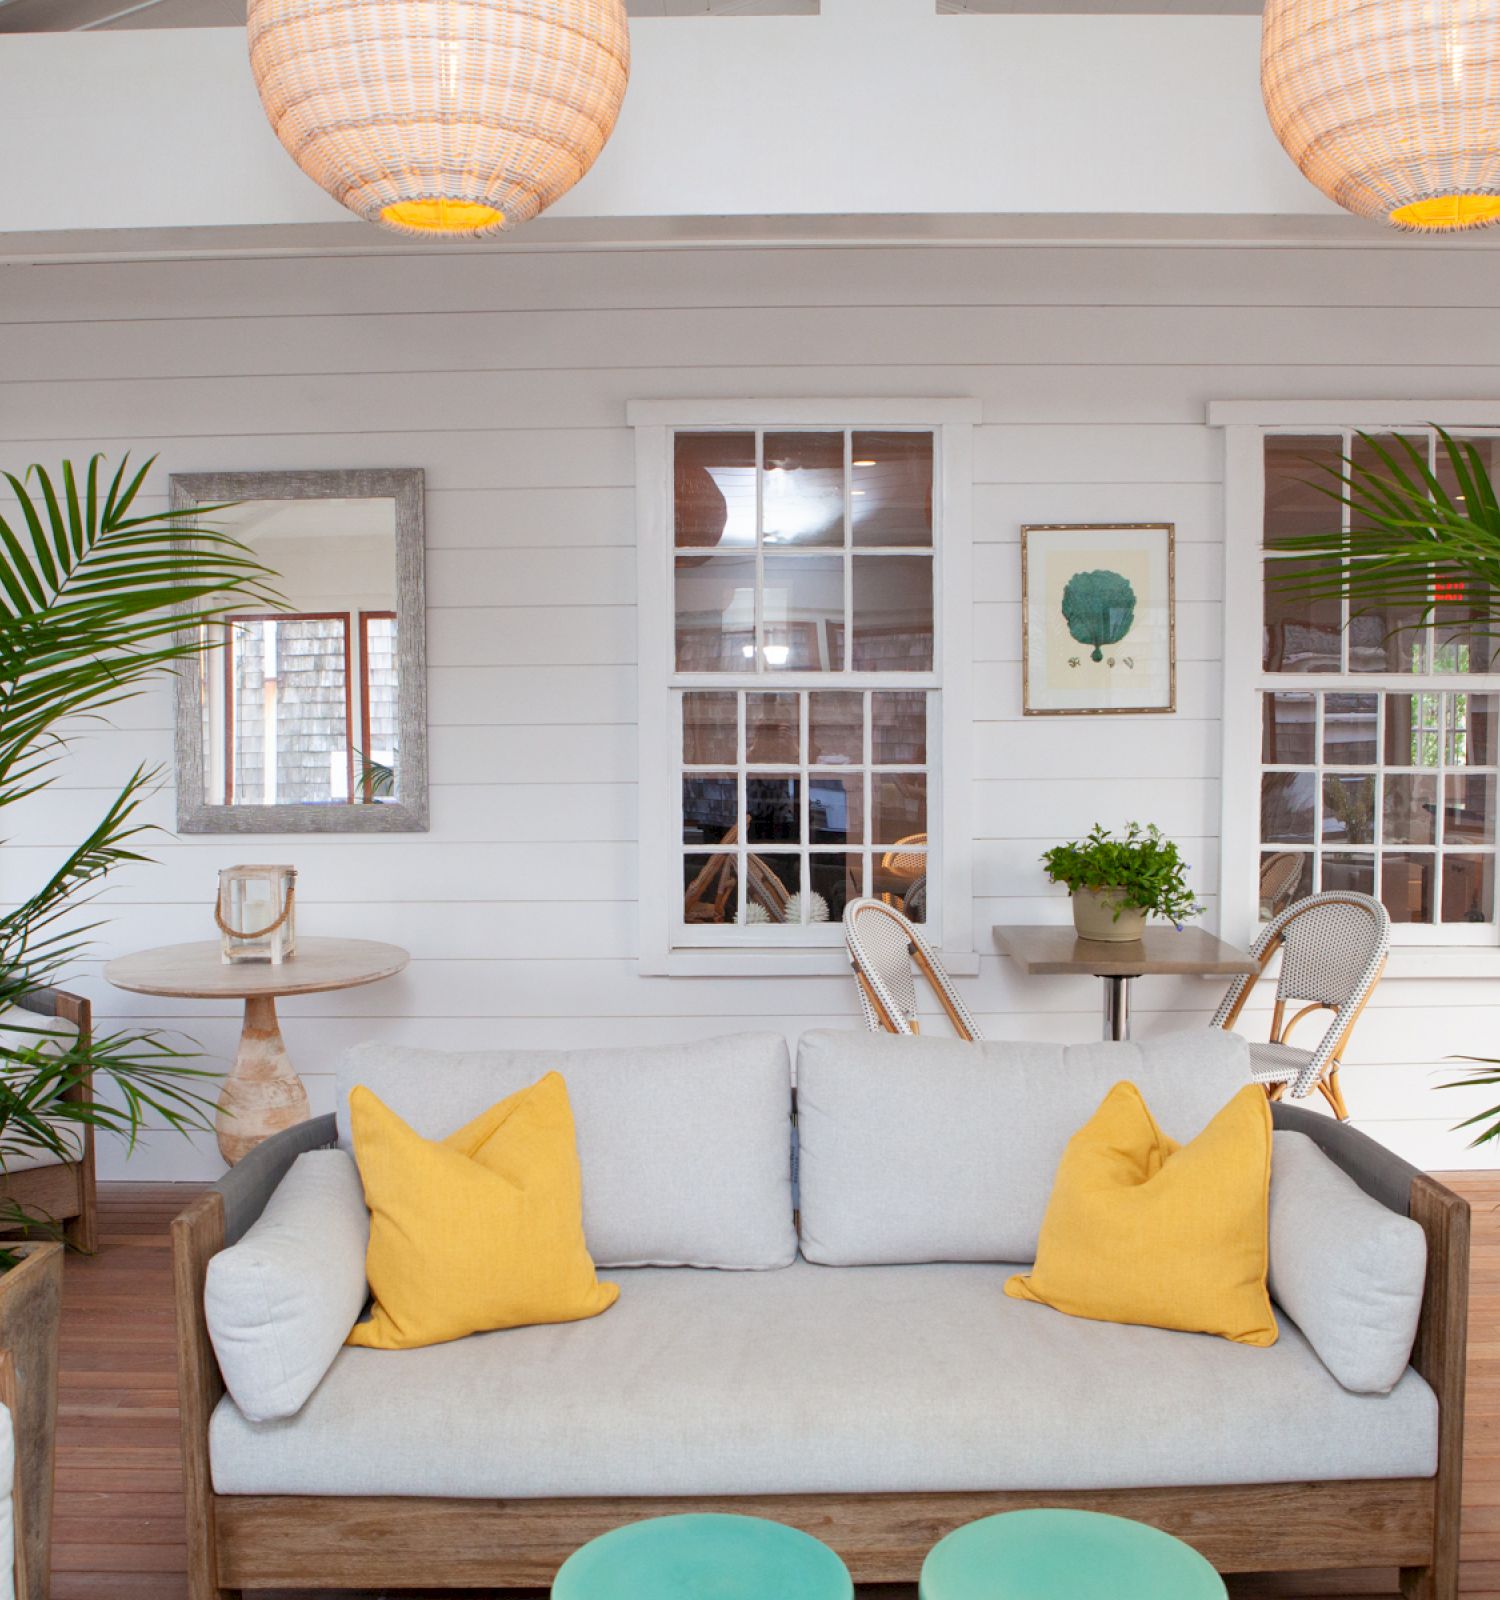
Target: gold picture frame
1098,619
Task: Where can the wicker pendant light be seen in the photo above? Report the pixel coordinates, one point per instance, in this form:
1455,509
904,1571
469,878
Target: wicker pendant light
1390,107
445,117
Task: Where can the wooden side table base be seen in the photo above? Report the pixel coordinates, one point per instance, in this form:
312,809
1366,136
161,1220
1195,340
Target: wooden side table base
262,1094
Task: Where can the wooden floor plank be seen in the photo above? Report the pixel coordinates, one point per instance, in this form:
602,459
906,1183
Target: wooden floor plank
119,1533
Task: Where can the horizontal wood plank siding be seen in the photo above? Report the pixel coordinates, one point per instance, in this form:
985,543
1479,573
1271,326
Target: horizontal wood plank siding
505,377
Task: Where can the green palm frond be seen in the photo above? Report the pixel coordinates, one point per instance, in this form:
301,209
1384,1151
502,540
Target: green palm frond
1487,1078
1408,538
97,602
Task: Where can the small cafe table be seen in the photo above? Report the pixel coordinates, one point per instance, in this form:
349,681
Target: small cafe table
1056,948
1057,1554
262,1094
704,1556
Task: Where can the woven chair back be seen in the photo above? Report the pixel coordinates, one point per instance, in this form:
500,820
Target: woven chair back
887,951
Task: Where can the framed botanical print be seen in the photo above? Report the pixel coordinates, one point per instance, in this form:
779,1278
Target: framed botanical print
1098,619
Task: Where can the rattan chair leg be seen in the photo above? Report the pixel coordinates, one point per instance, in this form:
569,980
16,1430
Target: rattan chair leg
1328,1087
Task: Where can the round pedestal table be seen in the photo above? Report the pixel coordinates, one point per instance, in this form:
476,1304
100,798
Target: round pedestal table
1065,1555
262,1094
704,1557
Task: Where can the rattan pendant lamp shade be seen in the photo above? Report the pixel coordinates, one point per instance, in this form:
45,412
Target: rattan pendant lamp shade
448,117
1390,107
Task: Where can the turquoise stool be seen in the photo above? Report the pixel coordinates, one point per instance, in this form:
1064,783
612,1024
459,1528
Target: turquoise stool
706,1557
1065,1555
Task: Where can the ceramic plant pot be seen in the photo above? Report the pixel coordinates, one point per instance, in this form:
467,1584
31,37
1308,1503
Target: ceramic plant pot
1094,917
30,1308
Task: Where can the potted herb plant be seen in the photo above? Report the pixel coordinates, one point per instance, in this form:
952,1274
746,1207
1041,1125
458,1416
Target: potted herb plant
1119,880
96,603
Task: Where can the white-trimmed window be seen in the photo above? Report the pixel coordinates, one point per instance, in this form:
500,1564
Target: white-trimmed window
804,628
1360,753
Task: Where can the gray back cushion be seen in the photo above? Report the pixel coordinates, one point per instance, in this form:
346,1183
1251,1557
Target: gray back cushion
685,1149
916,1149
1348,1271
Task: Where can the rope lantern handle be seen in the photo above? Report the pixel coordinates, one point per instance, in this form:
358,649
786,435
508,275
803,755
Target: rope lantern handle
252,933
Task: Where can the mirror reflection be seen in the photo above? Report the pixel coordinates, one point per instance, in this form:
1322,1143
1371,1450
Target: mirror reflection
300,706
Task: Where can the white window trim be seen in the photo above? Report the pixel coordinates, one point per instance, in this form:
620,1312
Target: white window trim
952,420
1245,424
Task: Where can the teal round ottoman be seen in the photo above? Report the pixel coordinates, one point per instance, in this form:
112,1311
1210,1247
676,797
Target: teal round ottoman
703,1558
1065,1555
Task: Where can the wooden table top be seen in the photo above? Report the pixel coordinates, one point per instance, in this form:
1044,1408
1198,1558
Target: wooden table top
198,971
1057,948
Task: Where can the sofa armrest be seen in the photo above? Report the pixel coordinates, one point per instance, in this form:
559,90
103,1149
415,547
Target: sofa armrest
1381,1173
247,1186
1441,1348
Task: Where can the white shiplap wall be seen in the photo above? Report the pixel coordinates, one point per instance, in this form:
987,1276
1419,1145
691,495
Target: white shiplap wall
505,377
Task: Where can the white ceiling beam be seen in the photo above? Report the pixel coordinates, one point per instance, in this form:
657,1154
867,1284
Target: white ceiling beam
875,109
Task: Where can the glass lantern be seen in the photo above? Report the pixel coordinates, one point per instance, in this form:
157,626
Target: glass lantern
256,914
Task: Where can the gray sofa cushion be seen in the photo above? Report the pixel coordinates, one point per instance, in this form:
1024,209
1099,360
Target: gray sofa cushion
685,1149
281,1302
938,1150
817,1380
1348,1271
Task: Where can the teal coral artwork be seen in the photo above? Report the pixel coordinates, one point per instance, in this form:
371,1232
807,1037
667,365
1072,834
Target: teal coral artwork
1098,632
1099,608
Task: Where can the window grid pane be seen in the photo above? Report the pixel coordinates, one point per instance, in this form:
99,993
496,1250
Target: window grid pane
1405,815
802,601
802,839
1429,785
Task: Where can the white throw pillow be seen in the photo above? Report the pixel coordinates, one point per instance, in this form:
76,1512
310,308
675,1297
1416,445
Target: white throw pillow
686,1149
1346,1269
281,1302
7,1505
931,1149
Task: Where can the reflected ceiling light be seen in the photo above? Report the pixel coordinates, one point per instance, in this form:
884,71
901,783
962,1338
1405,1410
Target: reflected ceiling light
865,463
1390,107
453,118
777,655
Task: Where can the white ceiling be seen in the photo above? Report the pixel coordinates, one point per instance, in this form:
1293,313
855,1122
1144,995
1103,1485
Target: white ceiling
52,16
56,16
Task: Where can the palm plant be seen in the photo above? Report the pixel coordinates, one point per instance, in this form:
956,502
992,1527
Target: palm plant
1410,547
96,602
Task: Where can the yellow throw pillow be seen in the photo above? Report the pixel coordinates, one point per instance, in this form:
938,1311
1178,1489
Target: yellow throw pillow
1141,1229
481,1230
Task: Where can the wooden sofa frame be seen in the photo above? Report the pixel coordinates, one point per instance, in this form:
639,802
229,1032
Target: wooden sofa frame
248,1542
64,1192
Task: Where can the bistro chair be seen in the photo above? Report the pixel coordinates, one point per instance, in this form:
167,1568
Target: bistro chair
883,949
711,896
901,877
1279,878
1333,948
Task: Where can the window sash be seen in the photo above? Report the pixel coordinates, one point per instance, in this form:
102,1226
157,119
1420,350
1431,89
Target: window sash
762,677
779,935
1246,679
847,551
949,714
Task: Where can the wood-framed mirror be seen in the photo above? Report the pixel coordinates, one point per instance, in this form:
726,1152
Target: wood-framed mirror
312,718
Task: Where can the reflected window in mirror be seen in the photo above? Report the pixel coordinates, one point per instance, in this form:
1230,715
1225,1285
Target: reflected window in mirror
312,718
